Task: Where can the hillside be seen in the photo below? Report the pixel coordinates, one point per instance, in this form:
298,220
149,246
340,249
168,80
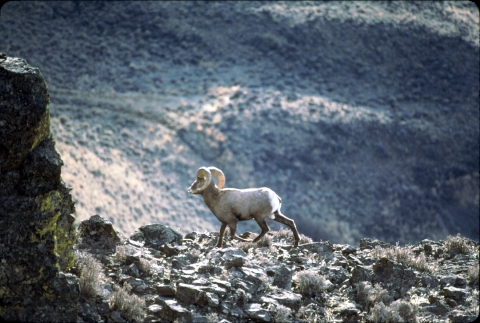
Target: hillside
362,116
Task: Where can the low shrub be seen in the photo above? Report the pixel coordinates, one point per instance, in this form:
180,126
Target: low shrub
287,236
404,256
457,244
368,295
310,283
129,305
282,314
472,274
91,273
122,251
212,318
398,311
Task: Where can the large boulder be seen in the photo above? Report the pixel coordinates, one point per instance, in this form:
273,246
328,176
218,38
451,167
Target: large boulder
37,232
97,230
156,235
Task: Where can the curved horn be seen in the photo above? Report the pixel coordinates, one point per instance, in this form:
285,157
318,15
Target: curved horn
203,172
218,174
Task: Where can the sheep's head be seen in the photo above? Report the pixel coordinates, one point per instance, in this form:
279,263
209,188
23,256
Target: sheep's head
204,177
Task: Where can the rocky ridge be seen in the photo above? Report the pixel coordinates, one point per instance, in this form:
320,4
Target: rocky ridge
163,276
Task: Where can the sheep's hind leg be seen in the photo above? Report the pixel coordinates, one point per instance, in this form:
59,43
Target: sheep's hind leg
263,225
220,236
279,217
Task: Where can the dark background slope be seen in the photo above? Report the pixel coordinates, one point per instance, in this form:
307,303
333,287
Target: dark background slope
362,116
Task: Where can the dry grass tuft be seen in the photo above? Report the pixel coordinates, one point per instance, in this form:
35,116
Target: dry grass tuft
404,256
122,251
310,283
195,255
404,310
282,314
457,244
287,236
381,307
265,242
472,274
131,306
368,295
146,266
212,318
398,311
309,313
91,273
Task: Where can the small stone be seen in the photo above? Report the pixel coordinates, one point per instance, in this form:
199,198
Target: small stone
192,235
235,261
130,259
347,250
457,316
212,300
117,318
454,292
172,311
257,313
156,235
288,299
133,270
382,265
448,280
154,309
347,309
437,308
164,290
282,277
191,294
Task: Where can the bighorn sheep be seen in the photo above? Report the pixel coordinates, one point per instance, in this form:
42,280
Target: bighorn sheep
231,205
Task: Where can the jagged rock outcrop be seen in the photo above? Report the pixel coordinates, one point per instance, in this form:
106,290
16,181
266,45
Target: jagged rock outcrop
273,282
37,232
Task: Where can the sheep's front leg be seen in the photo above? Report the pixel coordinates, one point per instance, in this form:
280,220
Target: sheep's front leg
220,236
233,229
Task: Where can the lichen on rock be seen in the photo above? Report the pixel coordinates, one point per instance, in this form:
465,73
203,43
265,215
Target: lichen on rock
36,245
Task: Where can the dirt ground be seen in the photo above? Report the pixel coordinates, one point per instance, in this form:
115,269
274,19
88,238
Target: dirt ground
362,116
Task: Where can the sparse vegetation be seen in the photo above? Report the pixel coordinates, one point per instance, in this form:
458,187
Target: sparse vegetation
195,254
129,305
457,244
368,295
91,274
398,311
308,313
282,314
146,266
310,283
380,305
265,242
472,303
287,237
373,302
212,318
404,256
122,251
472,274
